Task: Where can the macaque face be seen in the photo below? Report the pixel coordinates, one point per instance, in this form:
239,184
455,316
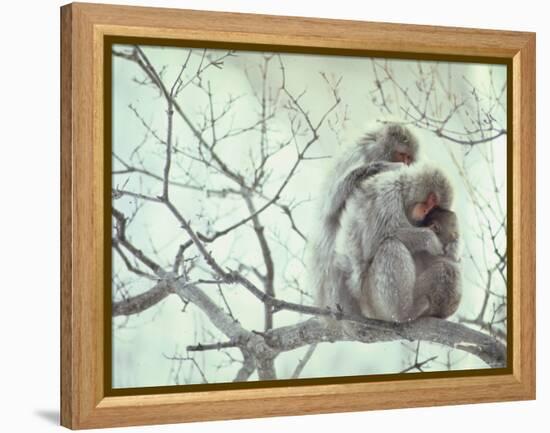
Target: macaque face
420,210
402,154
444,224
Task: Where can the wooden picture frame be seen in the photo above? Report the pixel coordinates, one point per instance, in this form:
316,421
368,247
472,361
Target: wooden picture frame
84,400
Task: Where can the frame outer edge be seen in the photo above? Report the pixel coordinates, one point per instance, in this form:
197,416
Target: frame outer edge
78,408
66,87
528,221
524,219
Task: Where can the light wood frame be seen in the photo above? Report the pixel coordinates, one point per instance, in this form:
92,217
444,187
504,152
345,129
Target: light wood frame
83,400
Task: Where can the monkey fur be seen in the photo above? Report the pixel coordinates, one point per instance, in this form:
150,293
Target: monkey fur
438,290
376,152
373,271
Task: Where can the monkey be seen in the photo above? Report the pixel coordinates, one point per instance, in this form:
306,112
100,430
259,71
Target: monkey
437,290
388,148
374,271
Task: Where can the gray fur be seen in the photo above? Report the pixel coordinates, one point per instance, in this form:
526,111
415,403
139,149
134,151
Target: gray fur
377,269
371,155
438,287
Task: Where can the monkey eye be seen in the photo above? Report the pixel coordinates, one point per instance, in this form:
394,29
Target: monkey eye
435,227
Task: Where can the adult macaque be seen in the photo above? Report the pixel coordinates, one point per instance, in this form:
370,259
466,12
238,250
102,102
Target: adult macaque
391,147
374,271
385,149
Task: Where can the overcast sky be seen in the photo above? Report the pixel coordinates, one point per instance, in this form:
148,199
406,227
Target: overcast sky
140,342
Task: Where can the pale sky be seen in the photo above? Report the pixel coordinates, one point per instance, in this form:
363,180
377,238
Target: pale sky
140,342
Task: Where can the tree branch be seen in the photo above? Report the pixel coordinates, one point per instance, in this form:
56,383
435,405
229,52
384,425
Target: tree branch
265,346
143,301
431,329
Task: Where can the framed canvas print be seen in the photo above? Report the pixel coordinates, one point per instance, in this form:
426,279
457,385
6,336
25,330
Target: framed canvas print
266,215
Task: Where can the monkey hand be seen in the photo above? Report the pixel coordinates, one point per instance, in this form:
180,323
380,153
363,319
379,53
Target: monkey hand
380,166
366,171
418,239
452,251
359,174
433,245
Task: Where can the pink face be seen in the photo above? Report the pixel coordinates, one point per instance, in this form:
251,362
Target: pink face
420,210
402,156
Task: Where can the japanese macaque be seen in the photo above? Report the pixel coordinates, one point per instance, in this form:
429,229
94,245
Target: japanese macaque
373,271
391,147
437,290
386,149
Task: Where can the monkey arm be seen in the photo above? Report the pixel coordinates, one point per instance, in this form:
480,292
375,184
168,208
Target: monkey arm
351,180
418,239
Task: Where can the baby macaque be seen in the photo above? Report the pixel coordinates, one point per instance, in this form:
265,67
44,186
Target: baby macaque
437,289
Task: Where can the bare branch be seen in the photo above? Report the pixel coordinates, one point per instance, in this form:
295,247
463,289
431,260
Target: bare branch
429,329
143,301
304,361
138,254
214,346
